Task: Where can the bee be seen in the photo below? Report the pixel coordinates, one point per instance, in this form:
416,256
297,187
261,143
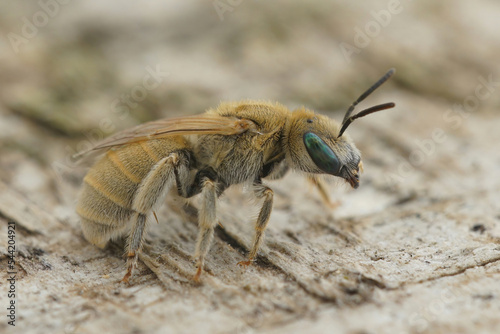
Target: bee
236,143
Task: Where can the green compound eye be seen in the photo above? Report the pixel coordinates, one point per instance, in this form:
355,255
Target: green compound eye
321,154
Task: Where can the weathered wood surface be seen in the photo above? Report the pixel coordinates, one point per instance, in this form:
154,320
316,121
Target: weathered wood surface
416,249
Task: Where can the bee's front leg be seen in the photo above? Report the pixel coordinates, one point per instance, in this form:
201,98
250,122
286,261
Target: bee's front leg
322,189
261,191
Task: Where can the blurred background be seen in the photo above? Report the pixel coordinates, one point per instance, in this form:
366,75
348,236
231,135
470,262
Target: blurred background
74,72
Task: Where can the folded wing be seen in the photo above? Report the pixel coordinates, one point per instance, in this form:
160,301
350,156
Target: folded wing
199,124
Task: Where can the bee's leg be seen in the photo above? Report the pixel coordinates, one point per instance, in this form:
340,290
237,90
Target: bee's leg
207,221
320,185
205,182
187,190
153,189
261,191
134,243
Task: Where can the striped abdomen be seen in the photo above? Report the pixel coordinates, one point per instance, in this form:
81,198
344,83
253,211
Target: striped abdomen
105,202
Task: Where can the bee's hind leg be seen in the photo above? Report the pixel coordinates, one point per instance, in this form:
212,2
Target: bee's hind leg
153,189
134,243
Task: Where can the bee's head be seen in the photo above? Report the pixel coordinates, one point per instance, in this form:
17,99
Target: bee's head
317,144
314,147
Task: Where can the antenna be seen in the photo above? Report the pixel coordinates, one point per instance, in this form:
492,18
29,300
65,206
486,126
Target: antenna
348,119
